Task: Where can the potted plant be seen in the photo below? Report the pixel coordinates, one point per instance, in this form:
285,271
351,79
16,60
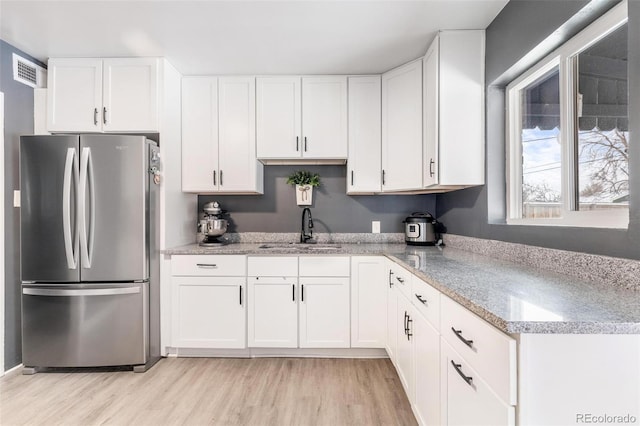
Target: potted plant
304,182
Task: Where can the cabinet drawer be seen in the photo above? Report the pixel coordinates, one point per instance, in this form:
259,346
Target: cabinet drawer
273,266
321,266
401,278
427,301
485,349
208,265
467,399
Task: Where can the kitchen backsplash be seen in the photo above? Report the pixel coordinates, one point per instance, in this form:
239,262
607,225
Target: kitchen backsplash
333,210
624,273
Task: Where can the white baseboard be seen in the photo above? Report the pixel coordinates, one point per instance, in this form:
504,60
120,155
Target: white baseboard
13,371
278,353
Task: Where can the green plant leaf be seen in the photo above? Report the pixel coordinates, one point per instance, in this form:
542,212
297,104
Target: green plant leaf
303,177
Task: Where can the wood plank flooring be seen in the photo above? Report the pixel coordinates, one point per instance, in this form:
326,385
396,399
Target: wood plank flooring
221,391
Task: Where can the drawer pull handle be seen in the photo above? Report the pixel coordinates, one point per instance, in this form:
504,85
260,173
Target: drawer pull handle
466,378
400,279
423,301
206,265
458,334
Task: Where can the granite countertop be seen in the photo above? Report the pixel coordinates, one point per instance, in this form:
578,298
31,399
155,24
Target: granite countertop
514,298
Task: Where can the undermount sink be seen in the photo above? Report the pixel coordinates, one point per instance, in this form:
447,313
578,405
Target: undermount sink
300,247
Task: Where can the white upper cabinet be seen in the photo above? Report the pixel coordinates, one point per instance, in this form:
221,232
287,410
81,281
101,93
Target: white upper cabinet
324,117
239,170
75,95
278,117
199,134
402,128
302,118
96,95
364,159
130,94
218,136
454,110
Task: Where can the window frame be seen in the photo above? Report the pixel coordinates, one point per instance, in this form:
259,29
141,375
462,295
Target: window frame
564,57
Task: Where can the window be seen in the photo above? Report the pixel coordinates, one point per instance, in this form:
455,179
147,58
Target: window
568,132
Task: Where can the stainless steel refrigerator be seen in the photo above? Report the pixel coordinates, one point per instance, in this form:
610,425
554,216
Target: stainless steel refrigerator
89,260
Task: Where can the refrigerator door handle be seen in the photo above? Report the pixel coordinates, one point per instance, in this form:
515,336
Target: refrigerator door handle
70,175
80,292
86,178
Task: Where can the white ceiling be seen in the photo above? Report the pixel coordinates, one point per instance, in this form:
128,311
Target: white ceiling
242,37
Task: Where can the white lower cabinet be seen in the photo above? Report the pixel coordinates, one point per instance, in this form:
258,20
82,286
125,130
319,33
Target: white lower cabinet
288,309
426,351
324,312
404,348
209,312
466,398
368,301
392,321
273,312
208,302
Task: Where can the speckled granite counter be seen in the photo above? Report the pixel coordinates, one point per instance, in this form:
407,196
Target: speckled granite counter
512,297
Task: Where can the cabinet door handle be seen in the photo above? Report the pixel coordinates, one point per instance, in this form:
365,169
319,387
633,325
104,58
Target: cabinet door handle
458,334
297,143
409,321
305,144
466,378
383,173
293,292
351,177
95,116
390,279
214,178
220,177
240,288
302,293
423,301
431,163
405,322
104,115
207,265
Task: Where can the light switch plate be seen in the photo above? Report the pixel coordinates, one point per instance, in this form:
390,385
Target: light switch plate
16,198
375,226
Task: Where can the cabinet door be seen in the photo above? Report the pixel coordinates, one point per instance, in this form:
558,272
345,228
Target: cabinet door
364,163
273,312
368,300
426,355
237,163
74,103
199,134
404,351
209,312
470,401
431,111
324,117
278,117
324,313
402,128
392,310
130,95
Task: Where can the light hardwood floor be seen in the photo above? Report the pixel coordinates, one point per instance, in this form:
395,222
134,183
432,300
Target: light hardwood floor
199,391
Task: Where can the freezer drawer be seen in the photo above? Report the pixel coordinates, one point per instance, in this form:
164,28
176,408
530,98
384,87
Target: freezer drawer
88,326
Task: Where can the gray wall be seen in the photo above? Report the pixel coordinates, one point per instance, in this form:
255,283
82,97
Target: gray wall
332,210
18,120
480,212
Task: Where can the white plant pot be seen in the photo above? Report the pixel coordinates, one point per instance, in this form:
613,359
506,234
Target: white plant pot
304,195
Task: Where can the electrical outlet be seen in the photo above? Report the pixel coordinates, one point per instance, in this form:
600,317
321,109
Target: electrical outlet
375,226
16,198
